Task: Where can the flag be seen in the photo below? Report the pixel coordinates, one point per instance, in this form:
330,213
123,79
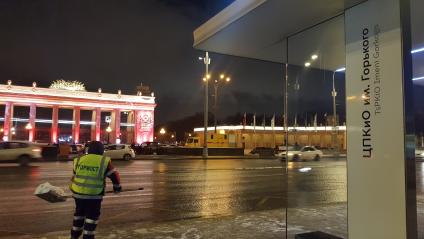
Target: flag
295,121
244,119
306,119
325,119
254,121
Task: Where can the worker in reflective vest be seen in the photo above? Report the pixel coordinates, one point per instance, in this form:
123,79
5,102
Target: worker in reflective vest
88,187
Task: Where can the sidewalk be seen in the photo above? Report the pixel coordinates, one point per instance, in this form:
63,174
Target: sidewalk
253,225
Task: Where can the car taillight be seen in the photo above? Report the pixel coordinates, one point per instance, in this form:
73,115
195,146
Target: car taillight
36,150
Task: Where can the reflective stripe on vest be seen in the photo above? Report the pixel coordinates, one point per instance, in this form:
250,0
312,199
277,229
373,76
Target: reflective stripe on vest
89,174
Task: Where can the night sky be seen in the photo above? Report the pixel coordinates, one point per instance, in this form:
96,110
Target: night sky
119,44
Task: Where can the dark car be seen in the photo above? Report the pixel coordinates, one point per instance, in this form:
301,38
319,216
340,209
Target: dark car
149,147
263,151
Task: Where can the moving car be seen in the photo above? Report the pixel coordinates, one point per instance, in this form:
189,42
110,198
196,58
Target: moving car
19,151
119,151
419,153
304,154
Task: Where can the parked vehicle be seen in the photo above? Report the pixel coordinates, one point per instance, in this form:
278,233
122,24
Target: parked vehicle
193,142
149,147
215,140
19,151
119,151
304,154
263,151
77,149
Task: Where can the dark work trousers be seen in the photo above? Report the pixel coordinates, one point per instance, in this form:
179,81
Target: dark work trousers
86,216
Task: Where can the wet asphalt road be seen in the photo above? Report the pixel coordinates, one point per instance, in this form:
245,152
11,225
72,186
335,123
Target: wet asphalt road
173,189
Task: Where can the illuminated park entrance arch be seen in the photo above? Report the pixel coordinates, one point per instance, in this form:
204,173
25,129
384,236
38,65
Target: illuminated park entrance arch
139,111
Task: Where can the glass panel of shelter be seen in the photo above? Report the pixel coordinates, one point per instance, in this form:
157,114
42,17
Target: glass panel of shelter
317,185
417,24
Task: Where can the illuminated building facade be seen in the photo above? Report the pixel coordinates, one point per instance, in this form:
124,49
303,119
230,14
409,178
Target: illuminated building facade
138,112
249,137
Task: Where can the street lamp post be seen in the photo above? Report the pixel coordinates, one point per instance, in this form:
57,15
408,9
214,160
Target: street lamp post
108,130
216,84
162,133
334,94
206,61
334,121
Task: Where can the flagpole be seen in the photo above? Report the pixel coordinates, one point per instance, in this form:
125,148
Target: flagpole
263,134
273,129
254,130
295,129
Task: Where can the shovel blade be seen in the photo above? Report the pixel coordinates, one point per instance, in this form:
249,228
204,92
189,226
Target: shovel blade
50,193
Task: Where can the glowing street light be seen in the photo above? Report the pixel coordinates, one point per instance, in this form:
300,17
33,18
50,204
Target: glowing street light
108,129
162,131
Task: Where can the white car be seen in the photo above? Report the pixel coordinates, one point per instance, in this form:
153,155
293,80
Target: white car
419,153
19,151
304,154
119,151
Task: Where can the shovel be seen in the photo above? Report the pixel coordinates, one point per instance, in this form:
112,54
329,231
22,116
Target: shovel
55,194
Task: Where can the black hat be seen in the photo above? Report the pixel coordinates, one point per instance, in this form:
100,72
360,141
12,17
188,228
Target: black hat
96,147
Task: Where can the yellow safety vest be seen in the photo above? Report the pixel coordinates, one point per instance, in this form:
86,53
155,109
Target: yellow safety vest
89,178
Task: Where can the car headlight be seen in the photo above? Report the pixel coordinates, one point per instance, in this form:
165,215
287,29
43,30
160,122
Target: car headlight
422,154
290,154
